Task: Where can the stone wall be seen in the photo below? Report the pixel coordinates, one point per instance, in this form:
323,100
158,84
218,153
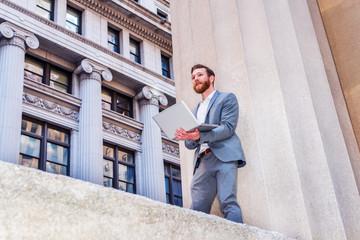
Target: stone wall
39,205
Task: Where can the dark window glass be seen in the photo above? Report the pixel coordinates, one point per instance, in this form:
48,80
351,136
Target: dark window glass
119,168
113,40
73,20
117,102
135,51
165,66
162,14
173,184
45,8
48,74
44,147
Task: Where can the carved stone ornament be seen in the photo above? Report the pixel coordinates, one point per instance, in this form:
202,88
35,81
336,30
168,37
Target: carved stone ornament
170,149
11,31
49,106
122,132
89,66
148,95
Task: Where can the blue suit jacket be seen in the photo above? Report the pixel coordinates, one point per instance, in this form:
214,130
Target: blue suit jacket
223,110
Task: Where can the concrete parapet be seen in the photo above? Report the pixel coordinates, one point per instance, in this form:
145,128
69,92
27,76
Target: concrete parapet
38,205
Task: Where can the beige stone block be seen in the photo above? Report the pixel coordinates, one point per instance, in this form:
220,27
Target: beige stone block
39,205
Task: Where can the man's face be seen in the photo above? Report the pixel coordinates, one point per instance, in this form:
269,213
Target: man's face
200,79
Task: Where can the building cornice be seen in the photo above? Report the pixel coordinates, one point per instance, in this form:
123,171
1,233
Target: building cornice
85,40
128,23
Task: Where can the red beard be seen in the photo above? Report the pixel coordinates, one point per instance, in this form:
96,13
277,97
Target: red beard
202,87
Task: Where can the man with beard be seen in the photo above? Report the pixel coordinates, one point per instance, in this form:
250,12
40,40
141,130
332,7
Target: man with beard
218,151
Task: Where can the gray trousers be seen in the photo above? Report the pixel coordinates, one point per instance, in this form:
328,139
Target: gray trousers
216,177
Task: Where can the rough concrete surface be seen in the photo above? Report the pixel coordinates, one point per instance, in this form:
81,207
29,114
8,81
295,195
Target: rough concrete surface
38,205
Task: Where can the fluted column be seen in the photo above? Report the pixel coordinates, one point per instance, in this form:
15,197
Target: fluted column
151,166
89,163
13,44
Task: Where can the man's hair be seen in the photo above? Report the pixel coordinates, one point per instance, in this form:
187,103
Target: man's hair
208,70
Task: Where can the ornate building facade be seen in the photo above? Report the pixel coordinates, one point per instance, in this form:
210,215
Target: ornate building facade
79,83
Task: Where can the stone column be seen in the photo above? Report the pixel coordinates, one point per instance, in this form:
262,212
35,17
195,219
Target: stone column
13,43
151,166
89,162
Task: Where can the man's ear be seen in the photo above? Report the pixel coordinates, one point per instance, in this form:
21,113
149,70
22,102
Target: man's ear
212,78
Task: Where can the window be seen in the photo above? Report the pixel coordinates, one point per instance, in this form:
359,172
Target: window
113,40
45,8
165,66
44,147
162,15
173,184
48,74
135,51
119,168
117,102
73,20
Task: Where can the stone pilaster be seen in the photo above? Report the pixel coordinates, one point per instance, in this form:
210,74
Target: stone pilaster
13,44
151,166
89,162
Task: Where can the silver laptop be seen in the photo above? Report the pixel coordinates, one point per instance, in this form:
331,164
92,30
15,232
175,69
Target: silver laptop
179,115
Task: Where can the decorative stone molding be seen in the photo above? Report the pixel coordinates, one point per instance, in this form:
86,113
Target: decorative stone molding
88,42
148,95
18,36
170,149
122,132
49,106
89,66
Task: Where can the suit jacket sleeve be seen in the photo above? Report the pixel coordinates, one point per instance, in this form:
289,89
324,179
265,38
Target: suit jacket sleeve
228,121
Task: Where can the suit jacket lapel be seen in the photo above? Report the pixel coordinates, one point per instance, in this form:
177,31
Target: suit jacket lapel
216,94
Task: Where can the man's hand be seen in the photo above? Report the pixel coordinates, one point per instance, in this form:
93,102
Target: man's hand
181,134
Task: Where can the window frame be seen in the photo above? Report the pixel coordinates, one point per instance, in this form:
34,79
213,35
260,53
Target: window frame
168,66
117,34
79,13
44,139
114,94
138,47
116,161
46,77
52,6
171,178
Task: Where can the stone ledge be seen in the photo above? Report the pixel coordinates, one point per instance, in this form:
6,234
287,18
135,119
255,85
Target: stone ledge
38,205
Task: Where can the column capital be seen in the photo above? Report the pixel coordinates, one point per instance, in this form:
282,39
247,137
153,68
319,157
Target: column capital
18,36
151,96
88,66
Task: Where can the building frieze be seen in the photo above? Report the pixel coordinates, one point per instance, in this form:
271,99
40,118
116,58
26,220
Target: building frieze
87,41
50,106
121,132
170,149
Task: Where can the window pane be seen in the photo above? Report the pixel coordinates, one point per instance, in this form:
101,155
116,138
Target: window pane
123,103
58,135
33,69
108,151
30,146
55,168
108,168
177,188
107,182
28,161
167,198
113,48
73,16
106,99
72,27
167,170
58,86
167,185
43,13
178,201
57,153
126,173
126,187
176,172
46,4
59,76
126,157
31,127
